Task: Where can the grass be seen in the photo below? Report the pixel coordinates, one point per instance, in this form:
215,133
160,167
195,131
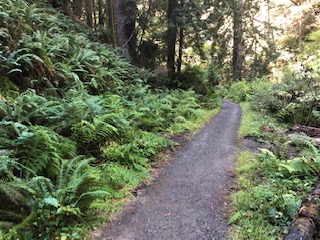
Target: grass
252,120
203,117
267,195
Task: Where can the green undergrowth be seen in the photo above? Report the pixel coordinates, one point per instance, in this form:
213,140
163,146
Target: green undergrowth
271,183
80,127
252,121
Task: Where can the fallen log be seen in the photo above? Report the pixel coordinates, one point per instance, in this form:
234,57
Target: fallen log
297,136
306,225
310,131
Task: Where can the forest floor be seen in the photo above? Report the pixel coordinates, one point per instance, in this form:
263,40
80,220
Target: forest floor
189,198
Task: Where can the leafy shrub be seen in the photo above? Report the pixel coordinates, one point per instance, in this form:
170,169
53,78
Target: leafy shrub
296,99
194,77
138,151
239,91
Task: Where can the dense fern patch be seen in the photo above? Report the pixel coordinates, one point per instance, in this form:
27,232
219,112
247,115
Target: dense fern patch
78,123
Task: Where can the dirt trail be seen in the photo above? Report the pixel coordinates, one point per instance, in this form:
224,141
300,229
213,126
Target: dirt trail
188,199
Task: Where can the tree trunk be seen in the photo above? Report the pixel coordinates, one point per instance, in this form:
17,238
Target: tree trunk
171,37
300,35
125,17
65,6
77,6
111,20
130,12
181,37
100,13
310,131
88,8
94,14
270,28
237,41
119,19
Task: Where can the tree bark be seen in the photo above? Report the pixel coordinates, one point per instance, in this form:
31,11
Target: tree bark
111,20
100,13
88,8
94,10
171,36
181,37
306,225
237,41
310,131
125,17
77,6
119,19
300,35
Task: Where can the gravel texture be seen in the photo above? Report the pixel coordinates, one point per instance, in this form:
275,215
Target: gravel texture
189,198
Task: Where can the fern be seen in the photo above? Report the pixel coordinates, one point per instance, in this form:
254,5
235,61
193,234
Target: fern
79,184
15,207
38,148
33,109
47,203
308,163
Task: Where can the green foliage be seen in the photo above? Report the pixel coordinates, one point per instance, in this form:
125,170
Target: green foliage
308,163
137,152
79,126
120,177
55,208
31,109
214,75
296,99
273,183
270,200
49,52
311,46
38,148
194,77
239,91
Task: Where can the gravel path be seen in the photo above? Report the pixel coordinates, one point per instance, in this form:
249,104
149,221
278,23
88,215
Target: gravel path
188,200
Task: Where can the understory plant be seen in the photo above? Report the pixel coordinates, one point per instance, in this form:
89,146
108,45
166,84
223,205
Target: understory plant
79,125
273,182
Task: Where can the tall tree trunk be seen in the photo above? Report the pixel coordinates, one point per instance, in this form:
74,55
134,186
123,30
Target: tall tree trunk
88,8
181,39
101,13
111,19
171,36
270,28
94,10
237,40
77,6
65,6
130,28
300,35
125,17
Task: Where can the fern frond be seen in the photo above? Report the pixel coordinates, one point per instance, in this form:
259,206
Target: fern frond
79,184
90,196
13,192
42,186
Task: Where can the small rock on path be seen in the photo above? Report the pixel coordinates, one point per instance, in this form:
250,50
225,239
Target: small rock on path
188,200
